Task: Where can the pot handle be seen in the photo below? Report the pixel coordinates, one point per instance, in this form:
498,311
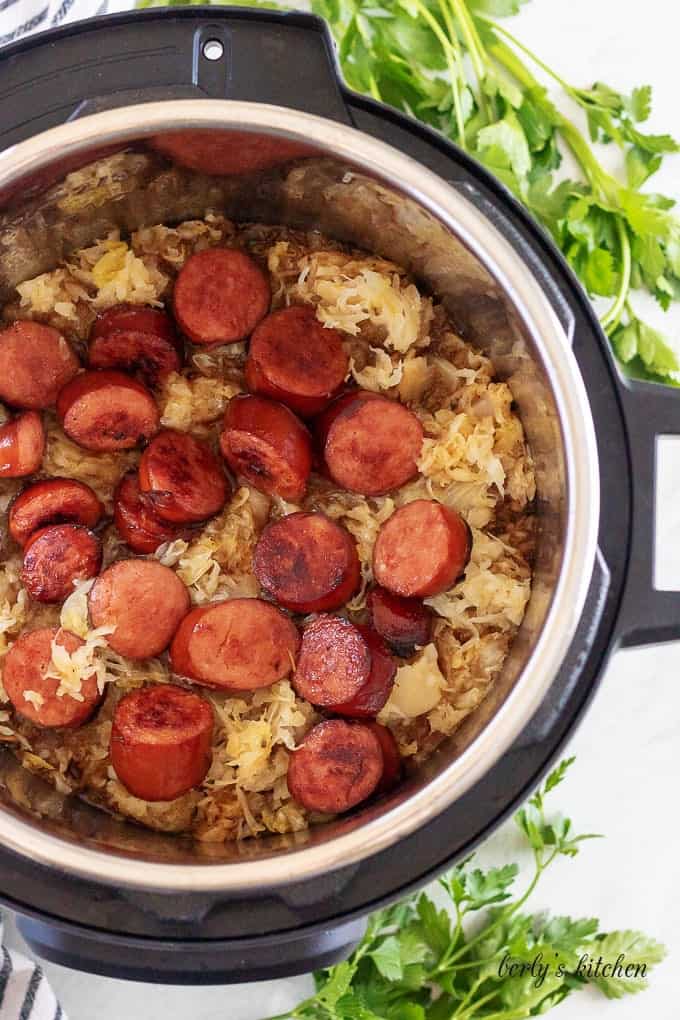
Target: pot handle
648,614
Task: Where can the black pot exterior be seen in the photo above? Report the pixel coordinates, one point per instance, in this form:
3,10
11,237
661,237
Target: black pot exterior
197,939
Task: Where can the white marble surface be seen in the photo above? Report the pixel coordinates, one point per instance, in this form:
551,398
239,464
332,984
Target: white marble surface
628,748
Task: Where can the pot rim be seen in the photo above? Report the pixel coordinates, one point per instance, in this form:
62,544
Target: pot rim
457,213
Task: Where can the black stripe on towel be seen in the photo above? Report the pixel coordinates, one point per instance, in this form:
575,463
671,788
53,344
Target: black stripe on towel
31,992
28,26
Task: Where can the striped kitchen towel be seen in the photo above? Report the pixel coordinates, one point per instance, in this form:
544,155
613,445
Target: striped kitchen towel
20,17
24,991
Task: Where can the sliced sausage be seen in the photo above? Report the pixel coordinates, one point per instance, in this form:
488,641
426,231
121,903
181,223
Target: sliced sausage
107,411
421,550
336,766
267,445
296,360
55,557
35,363
334,662
137,318
151,355
135,519
372,444
24,671
404,623
228,152
220,296
54,501
183,478
307,562
391,757
161,741
22,445
373,694
144,601
239,645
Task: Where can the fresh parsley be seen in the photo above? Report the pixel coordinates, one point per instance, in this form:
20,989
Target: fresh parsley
419,961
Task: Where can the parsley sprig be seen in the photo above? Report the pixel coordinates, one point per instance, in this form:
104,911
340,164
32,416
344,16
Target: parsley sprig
421,961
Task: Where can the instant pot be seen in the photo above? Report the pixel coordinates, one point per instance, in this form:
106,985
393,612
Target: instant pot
103,895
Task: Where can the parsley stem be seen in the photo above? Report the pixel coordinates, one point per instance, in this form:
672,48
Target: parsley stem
611,318
461,13
532,56
465,1014
452,58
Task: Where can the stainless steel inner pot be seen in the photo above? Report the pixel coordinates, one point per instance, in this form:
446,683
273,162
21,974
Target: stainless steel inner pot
363,191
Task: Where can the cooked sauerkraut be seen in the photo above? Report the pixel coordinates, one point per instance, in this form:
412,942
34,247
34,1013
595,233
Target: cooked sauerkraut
474,459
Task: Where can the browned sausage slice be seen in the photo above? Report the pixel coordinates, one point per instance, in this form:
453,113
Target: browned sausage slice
35,363
267,445
373,694
54,501
183,478
22,445
137,318
296,360
404,623
338,765
220,296
239,645
153,356
144,601
161,741
372,445
107,411
25,665
135,519
334,662
391,757
307,562
421,550
228,152
55,557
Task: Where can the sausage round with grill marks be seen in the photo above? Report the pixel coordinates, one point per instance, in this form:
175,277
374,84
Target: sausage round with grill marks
334,662
135,519
161,741
137,318
403,623
421,550
144,601
107,410
373,694
36,362
55,557
53,501
371,444
266,444
240,645
228,152
337,766
182,478
153,356
25,667
294,359
307,562
220,296
22,445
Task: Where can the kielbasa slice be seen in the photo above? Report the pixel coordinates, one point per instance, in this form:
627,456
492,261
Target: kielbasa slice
307,562
53,501
372,695
240,645
22,445
227,153
144,601
36,362
24,671
220,296
183,478
372,444
265,443
107,410
336,766
334,662
55,557
294,359
161,741
403,623
135,519
137,318
421,550
391,757
151,355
